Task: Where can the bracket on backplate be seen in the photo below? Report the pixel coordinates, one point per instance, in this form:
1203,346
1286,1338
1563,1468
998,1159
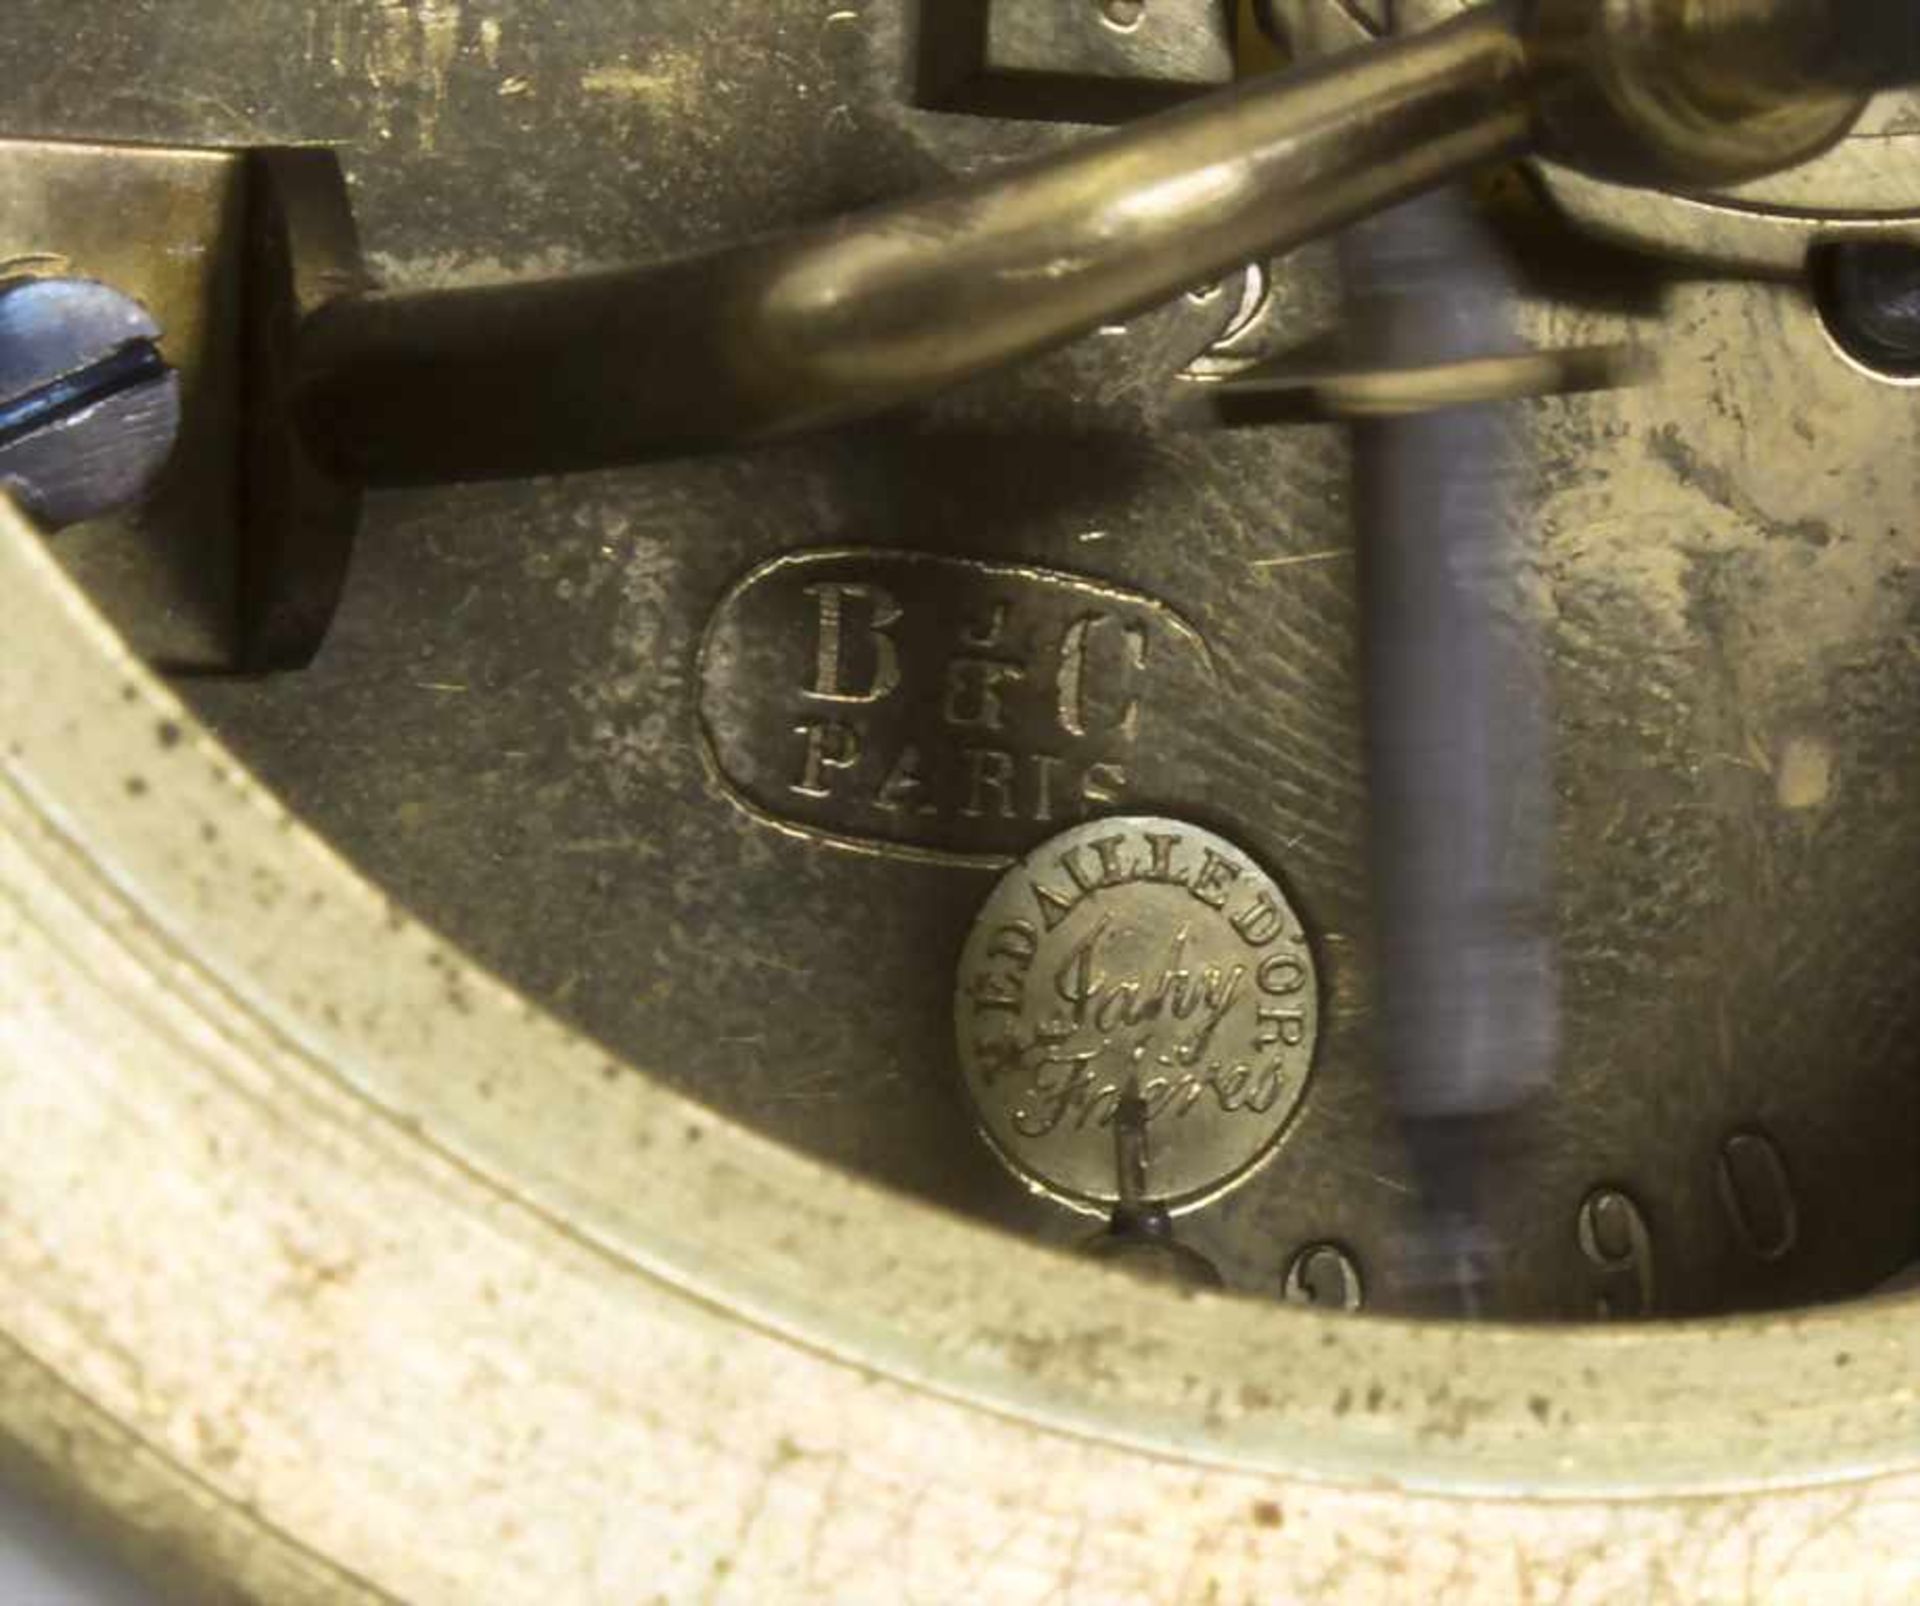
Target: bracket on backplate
236,560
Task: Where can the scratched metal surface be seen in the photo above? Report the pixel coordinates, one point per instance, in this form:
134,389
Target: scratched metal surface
505,729
335,1280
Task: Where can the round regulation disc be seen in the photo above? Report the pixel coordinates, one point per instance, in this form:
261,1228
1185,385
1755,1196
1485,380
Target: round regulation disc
1141,951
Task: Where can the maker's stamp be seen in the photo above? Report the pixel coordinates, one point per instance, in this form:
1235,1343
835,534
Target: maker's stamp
929,706
1145,954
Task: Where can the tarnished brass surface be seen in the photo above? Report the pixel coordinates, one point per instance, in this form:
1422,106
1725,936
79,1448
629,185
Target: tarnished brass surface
1868,184
516,729
334,1269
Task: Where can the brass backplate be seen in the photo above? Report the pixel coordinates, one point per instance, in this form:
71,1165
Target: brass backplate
641,1242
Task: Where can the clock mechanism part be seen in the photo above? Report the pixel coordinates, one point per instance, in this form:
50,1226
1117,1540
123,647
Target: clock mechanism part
1268,647
341,386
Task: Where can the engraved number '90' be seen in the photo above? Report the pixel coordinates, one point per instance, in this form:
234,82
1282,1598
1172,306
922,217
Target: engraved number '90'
1756,1193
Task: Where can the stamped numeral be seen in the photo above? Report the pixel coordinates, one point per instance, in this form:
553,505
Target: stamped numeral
1758,1195
931,705
1617,1243
1326,1275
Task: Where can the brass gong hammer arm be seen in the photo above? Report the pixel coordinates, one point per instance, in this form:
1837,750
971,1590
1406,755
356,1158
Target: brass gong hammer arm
902,301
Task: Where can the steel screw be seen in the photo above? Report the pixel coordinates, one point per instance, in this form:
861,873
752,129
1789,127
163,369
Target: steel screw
1123,14
89,409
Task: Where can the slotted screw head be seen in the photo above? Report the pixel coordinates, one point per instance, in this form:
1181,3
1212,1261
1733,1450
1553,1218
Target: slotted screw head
89,409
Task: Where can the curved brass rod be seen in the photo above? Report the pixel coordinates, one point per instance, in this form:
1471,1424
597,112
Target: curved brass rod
896,303
900,302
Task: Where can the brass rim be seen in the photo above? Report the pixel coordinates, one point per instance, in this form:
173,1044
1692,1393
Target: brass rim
116,795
